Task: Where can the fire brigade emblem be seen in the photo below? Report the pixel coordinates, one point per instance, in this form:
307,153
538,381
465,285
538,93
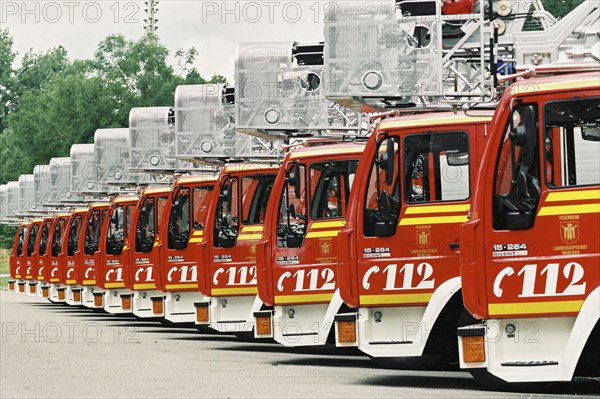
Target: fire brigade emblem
423,238
252,249
326,248
569,231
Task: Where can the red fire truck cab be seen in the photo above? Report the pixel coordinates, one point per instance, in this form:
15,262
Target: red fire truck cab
530,253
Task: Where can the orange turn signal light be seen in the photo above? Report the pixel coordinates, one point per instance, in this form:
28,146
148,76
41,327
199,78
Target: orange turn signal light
263,325
76,296
22,288
61,294
202,314
32,288
98,299
473,349
11,285
45,292
346,331
126,302
157,306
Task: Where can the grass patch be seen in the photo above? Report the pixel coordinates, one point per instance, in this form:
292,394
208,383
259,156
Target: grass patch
4,254
4,269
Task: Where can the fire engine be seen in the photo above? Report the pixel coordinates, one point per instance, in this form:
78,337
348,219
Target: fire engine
87,293
16,260
228,254
112,256
297,267
398,265
51,273
537,297
30,256
41,254
144,240
183,230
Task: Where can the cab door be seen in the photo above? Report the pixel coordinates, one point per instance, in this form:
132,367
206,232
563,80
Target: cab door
543,209
416,198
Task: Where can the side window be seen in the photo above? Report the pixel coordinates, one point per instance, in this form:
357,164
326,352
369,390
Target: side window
144,239
31,241
57,237
330,188
201,201
292,216
255,196
115,237
21,240
44,238
572,143
382,201
179,220
93,233
74,232
160,211
517,179
436,167
227,218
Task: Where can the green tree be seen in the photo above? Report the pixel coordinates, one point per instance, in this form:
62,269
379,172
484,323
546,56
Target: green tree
7,78
560,8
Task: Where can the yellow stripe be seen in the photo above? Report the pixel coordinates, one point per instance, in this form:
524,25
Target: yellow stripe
573,195
246,237
394,299
326,225
144,286
569,209
198,233
398,124
521,308
181,286
54,280
536,88
234,291
252,228
415,210
114,285
193,240
71,281
89,282
319,234
287,299
17,276
433,220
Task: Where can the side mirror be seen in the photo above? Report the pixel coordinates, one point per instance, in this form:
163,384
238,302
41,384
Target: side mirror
457,158
590,133
525,135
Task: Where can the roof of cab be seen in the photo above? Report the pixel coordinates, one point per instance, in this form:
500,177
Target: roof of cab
249,167
157,190
430,119
197,179
555,83
328,149
123,199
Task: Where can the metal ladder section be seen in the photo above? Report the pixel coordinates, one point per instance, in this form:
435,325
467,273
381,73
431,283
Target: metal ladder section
205,128
280,94
432,55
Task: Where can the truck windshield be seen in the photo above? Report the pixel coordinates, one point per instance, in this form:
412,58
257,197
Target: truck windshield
330,184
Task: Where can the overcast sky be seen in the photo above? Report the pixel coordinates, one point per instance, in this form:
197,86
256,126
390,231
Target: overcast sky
214,28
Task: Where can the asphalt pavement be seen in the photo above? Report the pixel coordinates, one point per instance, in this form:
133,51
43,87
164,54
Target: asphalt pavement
56,351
